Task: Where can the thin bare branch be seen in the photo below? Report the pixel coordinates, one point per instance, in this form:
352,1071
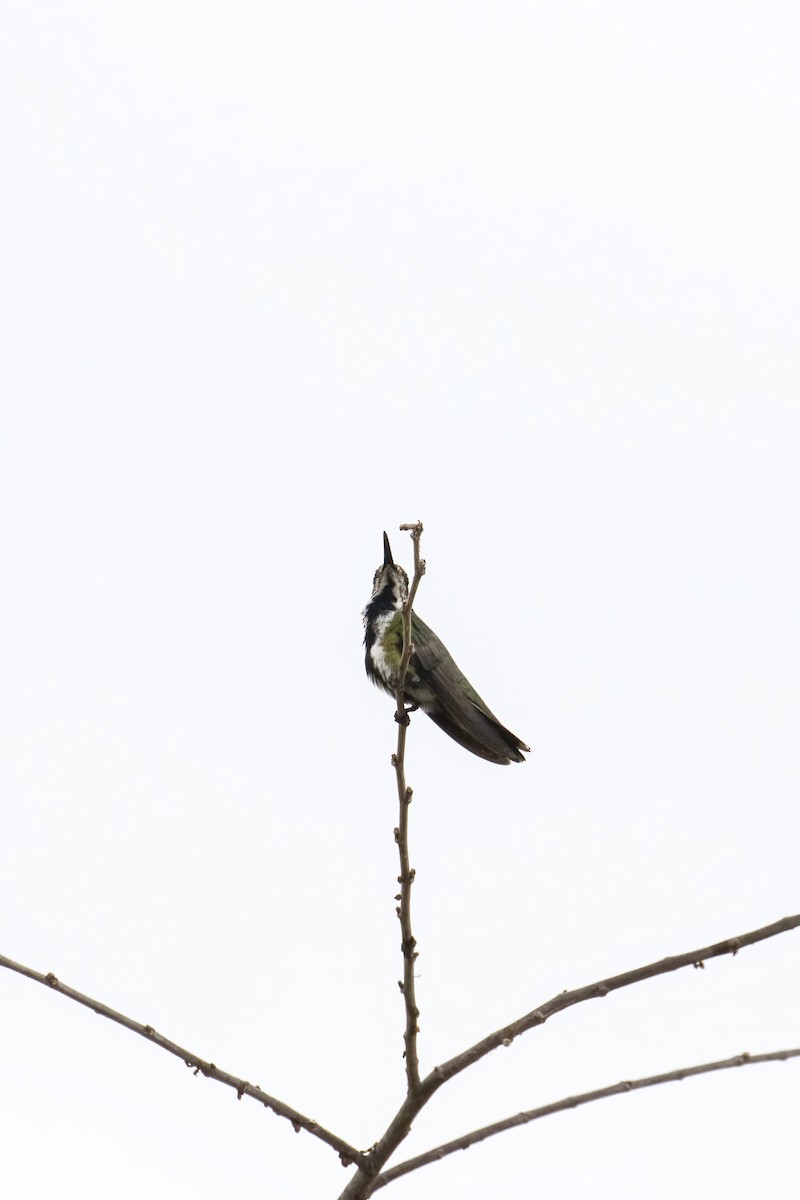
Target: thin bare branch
545,1110
404,794
365,1180
594,991
347,1153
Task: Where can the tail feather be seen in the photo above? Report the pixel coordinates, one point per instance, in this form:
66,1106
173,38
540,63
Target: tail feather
487,738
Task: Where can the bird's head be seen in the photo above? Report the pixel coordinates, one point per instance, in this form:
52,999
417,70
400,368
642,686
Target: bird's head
389,586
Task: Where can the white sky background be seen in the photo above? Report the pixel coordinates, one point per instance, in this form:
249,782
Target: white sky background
276,278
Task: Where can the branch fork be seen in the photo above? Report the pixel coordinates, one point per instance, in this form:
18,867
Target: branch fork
370,1174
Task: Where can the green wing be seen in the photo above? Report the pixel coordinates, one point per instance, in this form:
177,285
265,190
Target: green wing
459,710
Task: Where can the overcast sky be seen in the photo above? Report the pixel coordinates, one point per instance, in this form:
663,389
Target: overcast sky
275,278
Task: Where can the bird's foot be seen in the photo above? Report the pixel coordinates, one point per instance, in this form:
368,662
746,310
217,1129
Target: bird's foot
402,718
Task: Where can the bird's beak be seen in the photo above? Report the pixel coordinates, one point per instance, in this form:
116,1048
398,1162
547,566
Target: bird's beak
388,561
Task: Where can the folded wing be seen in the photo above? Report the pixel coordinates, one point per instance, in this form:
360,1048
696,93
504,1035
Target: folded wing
457,707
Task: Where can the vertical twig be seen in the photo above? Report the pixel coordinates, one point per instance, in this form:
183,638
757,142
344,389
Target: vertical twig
404,794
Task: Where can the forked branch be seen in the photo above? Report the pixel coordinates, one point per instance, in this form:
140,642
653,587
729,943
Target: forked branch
368,1178
370,1175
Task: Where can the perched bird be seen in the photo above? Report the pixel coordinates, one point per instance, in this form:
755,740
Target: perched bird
433,682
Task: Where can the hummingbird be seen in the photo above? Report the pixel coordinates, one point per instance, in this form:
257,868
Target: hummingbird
433,683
